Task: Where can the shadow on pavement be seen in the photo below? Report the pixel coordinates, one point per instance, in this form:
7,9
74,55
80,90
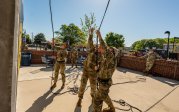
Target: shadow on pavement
170,82
34,65
90,108
42,102
125,70
77,109
46,69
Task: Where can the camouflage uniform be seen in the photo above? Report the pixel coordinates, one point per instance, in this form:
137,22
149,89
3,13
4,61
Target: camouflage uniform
106,68
60,65
151,57
88,71
74,57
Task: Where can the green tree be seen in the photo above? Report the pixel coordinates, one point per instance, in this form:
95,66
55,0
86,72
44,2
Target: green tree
114,40
160,42
150,44
57,40
72,34
137,45
27,36
142,44
171,40
88,22
39,38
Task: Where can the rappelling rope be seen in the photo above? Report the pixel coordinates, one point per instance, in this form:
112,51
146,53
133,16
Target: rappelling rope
53,39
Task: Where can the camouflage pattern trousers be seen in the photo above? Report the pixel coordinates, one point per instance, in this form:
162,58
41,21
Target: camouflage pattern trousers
74,61
59,66
92,79
102,95
149,65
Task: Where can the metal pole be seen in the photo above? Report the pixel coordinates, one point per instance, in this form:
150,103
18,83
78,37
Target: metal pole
173,44
168,32
168,45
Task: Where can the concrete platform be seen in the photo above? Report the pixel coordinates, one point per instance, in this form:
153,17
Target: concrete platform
148,94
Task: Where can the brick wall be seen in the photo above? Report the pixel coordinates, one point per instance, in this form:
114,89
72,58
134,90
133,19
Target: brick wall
36,55
161,68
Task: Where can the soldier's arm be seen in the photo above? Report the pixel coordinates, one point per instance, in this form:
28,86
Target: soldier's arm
99,64
102,43
90,40
65,54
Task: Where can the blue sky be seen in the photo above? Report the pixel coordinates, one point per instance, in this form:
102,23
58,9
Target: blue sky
135,19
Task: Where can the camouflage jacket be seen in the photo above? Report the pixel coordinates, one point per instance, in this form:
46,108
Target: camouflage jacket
61,55
90,62
74,54
151,56
108,62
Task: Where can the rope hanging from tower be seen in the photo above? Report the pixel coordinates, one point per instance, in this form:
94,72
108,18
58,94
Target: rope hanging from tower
51,15
100,28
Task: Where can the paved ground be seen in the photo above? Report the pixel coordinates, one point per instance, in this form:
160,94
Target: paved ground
151,95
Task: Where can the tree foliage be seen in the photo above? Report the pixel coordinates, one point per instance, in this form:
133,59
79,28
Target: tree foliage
150,44
27,37
72,34
88,22
114,40
158,43
137,45
39,38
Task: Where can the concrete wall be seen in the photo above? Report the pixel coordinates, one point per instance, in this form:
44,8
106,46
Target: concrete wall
9,23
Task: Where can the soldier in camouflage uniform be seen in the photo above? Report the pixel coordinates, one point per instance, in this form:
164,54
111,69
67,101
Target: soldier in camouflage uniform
88,70
60,65
151,56
74,57
104,79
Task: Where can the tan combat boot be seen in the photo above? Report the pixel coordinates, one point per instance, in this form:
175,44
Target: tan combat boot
108,109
